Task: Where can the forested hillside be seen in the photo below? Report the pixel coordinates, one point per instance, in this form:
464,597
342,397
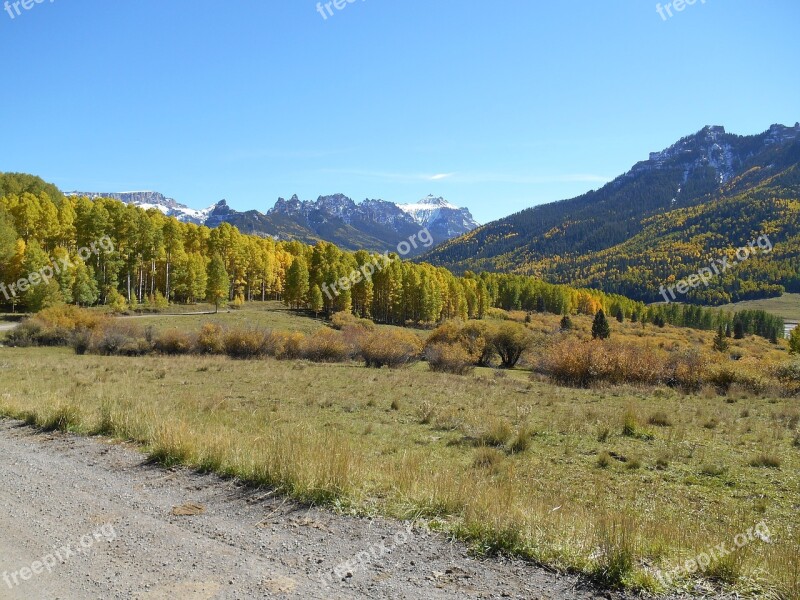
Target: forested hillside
695,202
143,257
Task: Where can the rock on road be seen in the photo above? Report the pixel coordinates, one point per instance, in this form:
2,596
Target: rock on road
59,490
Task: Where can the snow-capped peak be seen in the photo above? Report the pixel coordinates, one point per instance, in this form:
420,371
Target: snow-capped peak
432,209
426,210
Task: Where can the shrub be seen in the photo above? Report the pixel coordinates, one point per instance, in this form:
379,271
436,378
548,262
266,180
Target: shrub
25,334
566,323
687,370
794,341
54,326
344,319
723,378
173,342
789,376
210,339
509,341
242,344
448,358
70,317
325,346
395,348
120,339
582,364
471,337
81,341
283,345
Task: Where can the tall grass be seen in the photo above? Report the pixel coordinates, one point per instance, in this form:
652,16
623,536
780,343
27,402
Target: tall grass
539,496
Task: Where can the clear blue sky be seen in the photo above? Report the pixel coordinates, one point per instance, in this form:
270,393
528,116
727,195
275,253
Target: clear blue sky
495,105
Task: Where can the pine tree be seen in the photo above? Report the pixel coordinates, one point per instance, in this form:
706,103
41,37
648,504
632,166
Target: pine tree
720,341
600,327
738,330
728,330
566,323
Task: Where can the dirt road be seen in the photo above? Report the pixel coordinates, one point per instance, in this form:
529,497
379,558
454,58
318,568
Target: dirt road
83,519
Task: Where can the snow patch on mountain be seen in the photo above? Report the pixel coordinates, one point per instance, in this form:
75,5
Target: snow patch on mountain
149,199
432,209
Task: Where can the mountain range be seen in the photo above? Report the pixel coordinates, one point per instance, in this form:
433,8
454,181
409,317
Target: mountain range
375,225
668,216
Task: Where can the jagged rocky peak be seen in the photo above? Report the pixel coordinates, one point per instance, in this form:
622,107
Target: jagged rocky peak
336,204
292,206
779,134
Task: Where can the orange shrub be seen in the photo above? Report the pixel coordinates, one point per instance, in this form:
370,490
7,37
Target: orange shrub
283,345
245,343
448,358
209,340
394,348
174,342
583,363
325,346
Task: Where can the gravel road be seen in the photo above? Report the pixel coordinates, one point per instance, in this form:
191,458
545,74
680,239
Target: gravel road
111,519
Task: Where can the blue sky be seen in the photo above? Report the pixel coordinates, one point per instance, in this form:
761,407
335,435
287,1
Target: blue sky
496,106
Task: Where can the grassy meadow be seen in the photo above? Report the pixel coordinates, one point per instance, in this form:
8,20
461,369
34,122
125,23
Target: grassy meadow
786,306
617,482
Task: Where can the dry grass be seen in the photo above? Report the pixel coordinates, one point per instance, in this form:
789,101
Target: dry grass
509,464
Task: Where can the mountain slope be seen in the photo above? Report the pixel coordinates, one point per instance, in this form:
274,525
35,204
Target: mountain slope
630,236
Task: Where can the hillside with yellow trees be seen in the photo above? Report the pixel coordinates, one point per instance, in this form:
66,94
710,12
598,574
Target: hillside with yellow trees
689,207
104,252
